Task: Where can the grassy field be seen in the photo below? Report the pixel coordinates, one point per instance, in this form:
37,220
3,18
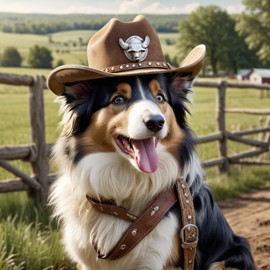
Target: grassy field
66,45
28,238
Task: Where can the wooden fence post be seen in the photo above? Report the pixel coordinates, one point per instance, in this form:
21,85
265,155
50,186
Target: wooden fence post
40,166
221,125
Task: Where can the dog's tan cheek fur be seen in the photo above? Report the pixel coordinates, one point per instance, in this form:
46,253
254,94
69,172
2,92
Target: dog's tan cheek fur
118,125
96,138
175,135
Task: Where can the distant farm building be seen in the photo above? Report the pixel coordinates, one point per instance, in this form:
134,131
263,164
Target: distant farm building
255,75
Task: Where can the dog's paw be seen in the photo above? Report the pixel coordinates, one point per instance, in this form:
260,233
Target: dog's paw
220,266
78,267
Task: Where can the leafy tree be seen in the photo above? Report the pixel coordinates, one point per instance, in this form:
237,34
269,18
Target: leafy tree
254,25
216,29
11,57
237,55
40,57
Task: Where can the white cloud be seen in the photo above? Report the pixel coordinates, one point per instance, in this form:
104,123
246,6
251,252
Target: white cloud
190,7
113,6
234,9
29,7
87,10
131,6
143,6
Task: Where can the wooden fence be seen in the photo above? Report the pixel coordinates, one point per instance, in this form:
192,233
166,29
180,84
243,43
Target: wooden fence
223,135
38,151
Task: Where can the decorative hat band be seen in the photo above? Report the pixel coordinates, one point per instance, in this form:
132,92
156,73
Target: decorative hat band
140,65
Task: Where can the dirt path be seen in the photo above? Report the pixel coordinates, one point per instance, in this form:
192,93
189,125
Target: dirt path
249,216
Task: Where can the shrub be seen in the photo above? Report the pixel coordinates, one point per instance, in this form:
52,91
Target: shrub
40,57
60,62
11,57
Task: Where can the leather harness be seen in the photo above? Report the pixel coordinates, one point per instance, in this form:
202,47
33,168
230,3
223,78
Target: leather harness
142,225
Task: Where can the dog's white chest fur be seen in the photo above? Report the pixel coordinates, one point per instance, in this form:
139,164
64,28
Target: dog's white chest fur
109,176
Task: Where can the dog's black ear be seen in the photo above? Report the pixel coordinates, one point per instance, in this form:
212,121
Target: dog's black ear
182,84
76,91
78,106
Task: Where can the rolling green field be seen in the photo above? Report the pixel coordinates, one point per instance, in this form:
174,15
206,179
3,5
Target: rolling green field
28,238
66,45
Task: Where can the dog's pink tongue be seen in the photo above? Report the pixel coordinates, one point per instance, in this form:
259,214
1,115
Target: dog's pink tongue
146,154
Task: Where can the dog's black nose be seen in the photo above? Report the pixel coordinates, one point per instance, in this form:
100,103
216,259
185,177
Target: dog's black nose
154,122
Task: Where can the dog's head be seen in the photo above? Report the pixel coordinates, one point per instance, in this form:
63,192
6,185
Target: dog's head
133,116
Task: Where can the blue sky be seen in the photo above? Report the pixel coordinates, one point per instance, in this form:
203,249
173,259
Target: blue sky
115,6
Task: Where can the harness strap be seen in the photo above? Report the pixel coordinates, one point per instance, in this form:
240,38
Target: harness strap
189,233
150,218
113,210
142,226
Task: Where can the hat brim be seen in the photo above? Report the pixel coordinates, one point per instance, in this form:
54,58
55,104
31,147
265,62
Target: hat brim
62,75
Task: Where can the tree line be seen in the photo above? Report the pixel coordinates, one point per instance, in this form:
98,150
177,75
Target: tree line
43,24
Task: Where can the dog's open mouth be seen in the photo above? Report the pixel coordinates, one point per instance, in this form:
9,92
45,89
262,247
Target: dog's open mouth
142,151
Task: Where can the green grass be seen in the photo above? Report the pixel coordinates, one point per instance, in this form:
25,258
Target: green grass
23,41
169,49
28,238
240,180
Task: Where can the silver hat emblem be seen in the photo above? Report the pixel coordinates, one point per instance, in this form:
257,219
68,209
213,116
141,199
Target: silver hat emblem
135,48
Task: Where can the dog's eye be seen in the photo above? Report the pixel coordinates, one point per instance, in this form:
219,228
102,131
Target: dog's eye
160,98
118,100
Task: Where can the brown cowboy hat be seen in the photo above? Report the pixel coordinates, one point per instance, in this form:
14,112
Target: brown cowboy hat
122,49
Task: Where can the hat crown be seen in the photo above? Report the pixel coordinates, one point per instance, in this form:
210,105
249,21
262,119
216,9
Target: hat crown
120,43
124,49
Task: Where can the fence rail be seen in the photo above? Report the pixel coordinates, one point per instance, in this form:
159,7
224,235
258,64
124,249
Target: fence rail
223,135
38,151
36,185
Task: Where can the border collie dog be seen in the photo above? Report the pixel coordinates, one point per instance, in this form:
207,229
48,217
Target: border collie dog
125,140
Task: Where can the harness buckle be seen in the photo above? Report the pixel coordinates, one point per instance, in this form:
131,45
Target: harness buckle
189,235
